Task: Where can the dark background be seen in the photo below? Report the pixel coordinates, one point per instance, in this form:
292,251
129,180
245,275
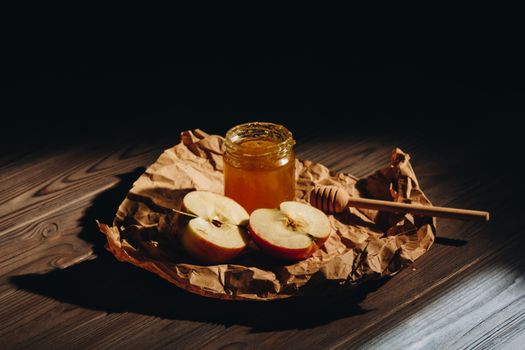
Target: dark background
70,87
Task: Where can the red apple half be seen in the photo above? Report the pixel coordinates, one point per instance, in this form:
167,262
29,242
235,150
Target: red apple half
292,232
217,232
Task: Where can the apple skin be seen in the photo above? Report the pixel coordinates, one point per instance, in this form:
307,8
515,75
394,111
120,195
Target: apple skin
286,254
206,251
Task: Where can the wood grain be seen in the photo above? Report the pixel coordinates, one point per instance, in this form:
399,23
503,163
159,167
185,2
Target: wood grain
409,285
488,300
46,184
393,298
63,286
60,289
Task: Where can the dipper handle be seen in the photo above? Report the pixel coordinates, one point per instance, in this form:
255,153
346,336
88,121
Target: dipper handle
331,199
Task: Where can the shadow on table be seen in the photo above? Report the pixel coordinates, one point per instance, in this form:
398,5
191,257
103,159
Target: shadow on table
108,285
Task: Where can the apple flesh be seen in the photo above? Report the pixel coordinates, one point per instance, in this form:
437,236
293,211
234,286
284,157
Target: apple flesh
216,234
293,232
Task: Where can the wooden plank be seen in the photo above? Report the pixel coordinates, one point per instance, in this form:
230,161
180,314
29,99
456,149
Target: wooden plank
51,283
488,303
433,269
81,316
49,247
357,154
49,178
43,185
322,323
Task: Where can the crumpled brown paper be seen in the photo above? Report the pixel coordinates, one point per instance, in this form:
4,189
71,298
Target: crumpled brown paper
364,244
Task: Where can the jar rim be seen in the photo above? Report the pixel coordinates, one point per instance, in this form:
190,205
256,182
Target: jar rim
268,129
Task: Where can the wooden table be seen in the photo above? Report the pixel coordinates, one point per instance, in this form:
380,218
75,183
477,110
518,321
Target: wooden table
60,288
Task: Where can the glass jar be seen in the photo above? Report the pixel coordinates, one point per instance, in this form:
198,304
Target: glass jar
259,165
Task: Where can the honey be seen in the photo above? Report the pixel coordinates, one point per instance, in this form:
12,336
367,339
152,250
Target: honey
259,165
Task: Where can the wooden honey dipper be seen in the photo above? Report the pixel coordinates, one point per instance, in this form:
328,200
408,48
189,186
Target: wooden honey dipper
331,199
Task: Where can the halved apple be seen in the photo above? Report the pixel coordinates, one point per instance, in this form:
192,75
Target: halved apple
217,231
292,232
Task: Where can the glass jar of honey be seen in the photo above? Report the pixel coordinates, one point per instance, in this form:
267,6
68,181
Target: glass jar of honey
259,165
